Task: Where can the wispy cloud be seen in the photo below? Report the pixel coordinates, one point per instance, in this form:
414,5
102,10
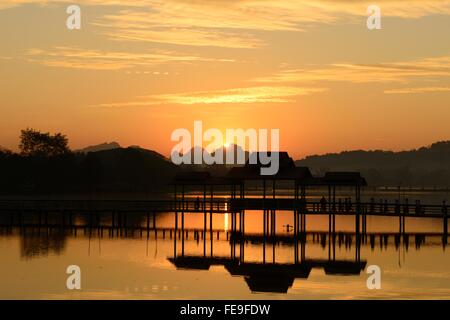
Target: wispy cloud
410,9
417,90
259,12
203,23
78,58
365,73
232,23
149,32
229,96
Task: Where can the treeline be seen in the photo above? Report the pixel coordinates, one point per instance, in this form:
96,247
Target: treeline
425,167
46,164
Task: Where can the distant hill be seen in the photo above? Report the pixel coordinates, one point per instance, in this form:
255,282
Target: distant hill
119,169
99,147
427,166
130,168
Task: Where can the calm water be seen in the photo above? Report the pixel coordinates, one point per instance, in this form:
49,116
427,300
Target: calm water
139,264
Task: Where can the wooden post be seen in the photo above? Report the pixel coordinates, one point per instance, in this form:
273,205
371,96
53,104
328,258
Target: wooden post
204,197
334,199
264,223
444,216
273,188
243,222
334,210
205,218
204,232
273,223
329,237
211,202
182,196
211,218
296,236
357,227
175,235
264,240
264,188
357,211
175,196
303,237
329,198
264,201
296,222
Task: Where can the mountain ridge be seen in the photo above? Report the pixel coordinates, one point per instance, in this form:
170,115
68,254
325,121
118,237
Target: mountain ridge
428,165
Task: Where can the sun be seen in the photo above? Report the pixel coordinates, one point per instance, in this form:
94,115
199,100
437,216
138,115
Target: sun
226,144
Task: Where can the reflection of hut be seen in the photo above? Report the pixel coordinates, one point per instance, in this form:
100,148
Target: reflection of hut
268,277
196,263
344,268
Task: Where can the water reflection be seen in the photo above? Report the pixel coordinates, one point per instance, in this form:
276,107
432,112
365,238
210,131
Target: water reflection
267,259
42,244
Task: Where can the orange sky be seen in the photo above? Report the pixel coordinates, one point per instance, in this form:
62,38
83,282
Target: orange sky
137,70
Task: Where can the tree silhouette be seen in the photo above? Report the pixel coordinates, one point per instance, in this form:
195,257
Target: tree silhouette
4,151
36,143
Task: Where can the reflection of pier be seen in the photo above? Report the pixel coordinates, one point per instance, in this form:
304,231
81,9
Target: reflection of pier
267,274
132,230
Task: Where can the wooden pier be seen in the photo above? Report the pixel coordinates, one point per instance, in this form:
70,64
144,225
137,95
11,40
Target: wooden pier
231,205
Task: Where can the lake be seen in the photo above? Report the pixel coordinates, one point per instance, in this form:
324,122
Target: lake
159,263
